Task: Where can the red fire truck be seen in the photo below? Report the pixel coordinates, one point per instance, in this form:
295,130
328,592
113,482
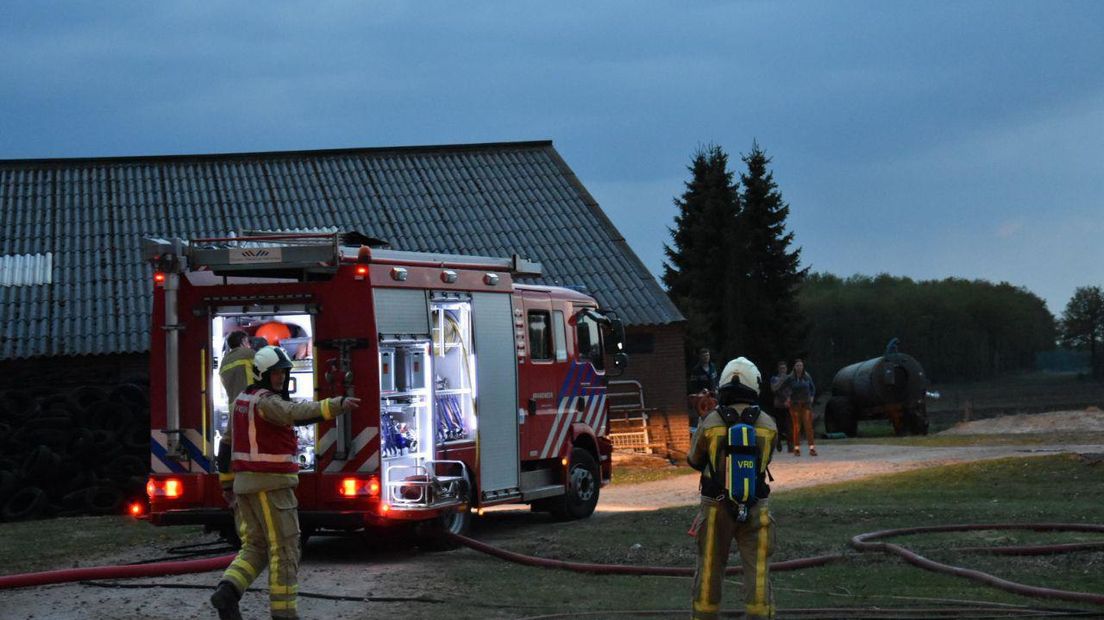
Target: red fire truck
477,390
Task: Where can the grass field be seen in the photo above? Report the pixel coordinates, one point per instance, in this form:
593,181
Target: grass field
822,520
810,522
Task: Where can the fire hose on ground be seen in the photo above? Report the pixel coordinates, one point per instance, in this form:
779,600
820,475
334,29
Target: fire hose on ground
862,542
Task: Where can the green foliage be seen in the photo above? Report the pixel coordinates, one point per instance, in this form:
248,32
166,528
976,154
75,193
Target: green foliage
1082,323
697,269
957,329
730,269
773,327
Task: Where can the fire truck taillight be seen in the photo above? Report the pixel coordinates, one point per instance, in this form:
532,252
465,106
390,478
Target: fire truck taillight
361,271
359,487
170,488
159,277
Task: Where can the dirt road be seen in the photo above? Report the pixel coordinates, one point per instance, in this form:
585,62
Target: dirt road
836,463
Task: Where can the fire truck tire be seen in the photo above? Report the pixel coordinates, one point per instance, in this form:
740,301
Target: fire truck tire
229,535
582,489
434,534
28,503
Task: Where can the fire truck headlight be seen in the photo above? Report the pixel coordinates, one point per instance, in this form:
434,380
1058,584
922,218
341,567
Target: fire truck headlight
173,488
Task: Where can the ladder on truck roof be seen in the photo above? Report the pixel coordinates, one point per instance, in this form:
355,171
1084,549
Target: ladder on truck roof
317,252
311,252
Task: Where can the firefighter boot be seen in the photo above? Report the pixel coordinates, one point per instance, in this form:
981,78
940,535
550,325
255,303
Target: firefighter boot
225,599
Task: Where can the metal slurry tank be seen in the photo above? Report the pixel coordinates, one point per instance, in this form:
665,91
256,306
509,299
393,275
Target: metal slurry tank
892,386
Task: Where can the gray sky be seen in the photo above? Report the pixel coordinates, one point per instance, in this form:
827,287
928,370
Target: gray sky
927,139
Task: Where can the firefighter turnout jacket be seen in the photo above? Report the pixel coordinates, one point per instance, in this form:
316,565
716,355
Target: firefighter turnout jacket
236,374
265,448
719,523
265,466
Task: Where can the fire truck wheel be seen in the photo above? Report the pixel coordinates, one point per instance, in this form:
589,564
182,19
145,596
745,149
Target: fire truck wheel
229,534
582,489
433,535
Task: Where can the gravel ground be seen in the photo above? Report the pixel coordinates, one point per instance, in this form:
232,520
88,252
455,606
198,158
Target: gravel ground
351,567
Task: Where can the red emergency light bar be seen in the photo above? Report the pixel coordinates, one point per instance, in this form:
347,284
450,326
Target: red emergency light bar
359,487
170,488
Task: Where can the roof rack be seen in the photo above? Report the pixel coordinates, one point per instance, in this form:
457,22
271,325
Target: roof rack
249,252
313,252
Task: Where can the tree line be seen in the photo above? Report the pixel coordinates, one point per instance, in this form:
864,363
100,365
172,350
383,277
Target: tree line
957,329
734,272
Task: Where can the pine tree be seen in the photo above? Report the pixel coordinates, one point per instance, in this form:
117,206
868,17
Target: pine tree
696,272
768,271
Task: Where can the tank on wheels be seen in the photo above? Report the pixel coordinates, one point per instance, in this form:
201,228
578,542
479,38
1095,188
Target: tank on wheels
892,387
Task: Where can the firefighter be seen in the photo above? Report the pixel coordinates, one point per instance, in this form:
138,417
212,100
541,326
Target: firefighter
236,374
266,473
721,520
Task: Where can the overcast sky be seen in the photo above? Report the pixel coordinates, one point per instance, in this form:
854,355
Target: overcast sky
927,139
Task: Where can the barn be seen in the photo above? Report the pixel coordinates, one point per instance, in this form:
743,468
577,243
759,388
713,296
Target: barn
75,292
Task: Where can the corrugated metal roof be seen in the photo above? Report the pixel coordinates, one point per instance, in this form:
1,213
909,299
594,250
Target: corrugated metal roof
26,269
486,199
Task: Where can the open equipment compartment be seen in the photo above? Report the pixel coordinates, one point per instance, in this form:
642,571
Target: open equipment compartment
288,326
454,393
427,400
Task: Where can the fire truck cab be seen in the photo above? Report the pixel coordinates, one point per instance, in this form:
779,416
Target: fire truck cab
476,390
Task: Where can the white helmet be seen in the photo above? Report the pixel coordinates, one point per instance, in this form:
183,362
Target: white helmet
271,357
740,382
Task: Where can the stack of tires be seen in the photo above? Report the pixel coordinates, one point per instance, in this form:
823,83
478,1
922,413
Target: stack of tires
72,451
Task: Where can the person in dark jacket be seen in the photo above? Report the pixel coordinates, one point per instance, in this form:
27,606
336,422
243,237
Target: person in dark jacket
703,376
779,410
801,394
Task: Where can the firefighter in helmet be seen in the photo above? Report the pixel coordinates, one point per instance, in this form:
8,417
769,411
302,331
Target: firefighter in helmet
236,374
265,476
721,519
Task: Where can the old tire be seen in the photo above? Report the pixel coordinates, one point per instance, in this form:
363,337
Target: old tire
583,484
104,500
28,503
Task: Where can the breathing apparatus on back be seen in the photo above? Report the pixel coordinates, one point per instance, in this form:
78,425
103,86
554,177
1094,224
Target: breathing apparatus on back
271,358
741,480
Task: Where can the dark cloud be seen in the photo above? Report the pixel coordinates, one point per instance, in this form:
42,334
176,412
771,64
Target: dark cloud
908,137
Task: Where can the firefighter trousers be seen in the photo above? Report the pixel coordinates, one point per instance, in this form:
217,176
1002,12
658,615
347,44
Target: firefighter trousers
755,542
270,537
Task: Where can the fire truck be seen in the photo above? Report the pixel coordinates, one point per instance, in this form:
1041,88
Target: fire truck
477,390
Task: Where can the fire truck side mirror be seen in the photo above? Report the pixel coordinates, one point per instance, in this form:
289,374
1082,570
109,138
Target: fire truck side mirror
620,362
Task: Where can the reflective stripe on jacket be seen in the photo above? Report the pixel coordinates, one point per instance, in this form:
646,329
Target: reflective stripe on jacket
260,445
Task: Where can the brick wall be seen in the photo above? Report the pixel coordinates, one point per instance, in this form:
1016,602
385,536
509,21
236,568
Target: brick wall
662,373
